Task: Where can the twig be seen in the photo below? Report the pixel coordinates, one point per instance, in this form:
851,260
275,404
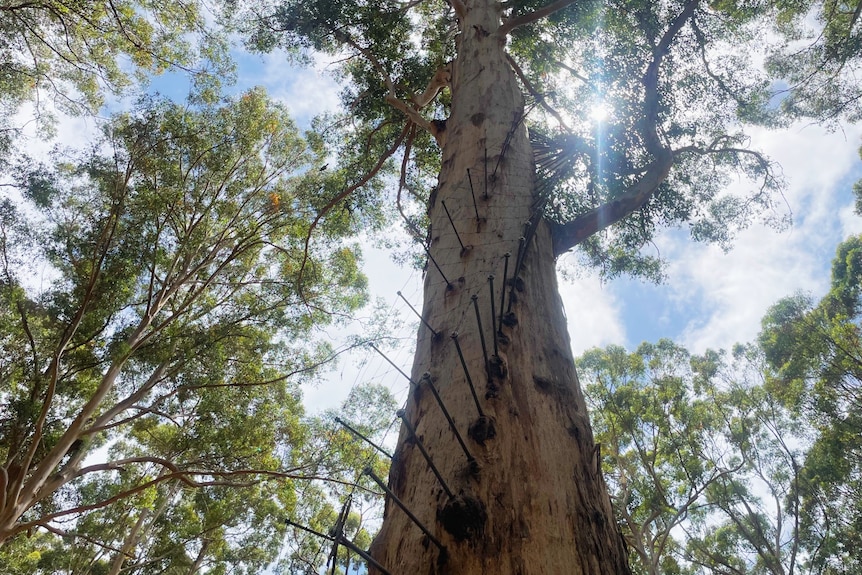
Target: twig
540,98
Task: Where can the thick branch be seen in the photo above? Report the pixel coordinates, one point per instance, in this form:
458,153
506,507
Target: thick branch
567,236
531,17
158,375
415,117
650,79
442,78
105,241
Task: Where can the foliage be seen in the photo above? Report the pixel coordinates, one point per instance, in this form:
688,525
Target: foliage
816,351
368,409
64,54
703,464
818,62
664,74
149,406
759,509
657,429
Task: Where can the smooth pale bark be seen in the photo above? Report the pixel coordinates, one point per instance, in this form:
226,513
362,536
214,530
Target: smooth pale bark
546,509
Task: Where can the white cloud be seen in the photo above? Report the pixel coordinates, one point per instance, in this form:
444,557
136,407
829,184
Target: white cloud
731,292
385,280
851,222
306,91
70,131
592,312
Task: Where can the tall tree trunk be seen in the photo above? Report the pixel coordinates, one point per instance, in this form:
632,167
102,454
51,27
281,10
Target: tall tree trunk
535,501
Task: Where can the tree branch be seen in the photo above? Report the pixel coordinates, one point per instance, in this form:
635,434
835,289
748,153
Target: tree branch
531,17
441,78
175,473
105,242
159,374
63,533
566,236
540,98
402,183
569,235
340,197
414,116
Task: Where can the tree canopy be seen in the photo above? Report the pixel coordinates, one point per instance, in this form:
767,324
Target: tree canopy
706,468
150,406
67,56
618,92
816,351
151,382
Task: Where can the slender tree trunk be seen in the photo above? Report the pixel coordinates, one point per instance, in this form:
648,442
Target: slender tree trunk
145,521
535,502
199,560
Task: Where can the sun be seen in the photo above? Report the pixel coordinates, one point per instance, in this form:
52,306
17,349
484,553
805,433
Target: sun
599,112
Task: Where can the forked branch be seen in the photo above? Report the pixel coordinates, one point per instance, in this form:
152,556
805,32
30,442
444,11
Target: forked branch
415,117
441,79
567,236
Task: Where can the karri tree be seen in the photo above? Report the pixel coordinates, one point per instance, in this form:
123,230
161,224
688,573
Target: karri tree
548,125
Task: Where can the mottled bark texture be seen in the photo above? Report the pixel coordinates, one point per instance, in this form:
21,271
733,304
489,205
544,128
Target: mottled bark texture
535,501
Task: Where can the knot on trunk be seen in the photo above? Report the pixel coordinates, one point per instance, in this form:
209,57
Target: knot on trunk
482,429
463,517
497,367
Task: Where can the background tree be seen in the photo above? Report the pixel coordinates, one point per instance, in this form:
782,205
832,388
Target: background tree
816,351
174,528
704,465
175,320
369,410
819,59
660,432
757,511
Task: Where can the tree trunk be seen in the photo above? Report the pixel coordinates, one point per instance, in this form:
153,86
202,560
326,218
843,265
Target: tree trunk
535,502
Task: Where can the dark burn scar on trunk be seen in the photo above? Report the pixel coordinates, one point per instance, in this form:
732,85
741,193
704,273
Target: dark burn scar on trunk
552,386
463,517
510,320
482,429
477,118
498,367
